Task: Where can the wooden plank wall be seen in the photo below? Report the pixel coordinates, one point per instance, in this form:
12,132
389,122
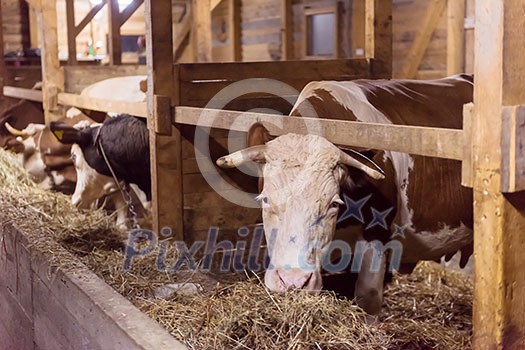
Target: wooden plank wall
78,77
15,25
260,30
407,23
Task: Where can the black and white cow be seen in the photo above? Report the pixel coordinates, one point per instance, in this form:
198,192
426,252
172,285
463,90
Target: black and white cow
123,140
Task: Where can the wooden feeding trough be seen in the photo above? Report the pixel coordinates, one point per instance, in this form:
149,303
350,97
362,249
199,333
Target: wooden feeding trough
47,307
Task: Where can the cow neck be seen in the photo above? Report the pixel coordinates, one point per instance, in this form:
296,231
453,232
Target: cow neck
124,191
100,151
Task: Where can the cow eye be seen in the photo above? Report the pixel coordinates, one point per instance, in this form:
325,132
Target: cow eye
74,158
336,203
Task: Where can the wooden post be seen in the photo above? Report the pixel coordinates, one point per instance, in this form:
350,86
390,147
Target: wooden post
33,27
417,51
201,30
286,30
455,36
165,150
115,50
234,7
499,224
378,36
2,61
52,73
71,32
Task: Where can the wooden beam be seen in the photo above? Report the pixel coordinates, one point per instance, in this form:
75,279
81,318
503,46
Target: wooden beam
165,150
286,30
234,19
417,51
201,30
432,142
378,36
214,4
129,11
21,93
115,49
499,219
181,37
52,73
138,109
89,17
455,36
71,32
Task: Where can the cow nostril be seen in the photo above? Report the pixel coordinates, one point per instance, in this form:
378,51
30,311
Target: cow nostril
294,279
281,280
307,281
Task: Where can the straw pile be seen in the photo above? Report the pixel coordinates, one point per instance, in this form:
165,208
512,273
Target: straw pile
43,214
429,309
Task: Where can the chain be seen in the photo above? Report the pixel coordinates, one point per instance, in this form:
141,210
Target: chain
131,207
124,190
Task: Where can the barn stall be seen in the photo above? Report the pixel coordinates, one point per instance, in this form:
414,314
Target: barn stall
191,87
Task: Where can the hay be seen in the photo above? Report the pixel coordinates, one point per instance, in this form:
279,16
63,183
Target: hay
43,214
429,309
242,314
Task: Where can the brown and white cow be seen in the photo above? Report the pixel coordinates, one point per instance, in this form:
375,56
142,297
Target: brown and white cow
45,159
420,203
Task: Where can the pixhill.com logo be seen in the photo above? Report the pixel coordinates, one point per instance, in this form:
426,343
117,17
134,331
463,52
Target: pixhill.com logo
244,254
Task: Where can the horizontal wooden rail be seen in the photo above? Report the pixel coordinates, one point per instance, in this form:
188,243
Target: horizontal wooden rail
25,94
425,141
137,109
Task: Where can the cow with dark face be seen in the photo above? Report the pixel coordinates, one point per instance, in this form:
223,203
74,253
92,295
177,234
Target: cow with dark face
120,145
420,202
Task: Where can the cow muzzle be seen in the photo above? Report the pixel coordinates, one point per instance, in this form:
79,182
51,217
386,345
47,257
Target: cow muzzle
281,280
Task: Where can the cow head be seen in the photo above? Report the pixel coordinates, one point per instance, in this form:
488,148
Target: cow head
303,175
20,115
91,184
24,143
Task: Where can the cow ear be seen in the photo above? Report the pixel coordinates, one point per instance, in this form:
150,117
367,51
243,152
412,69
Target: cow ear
257,135
67,134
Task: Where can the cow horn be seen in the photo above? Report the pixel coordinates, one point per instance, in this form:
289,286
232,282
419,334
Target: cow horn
351,161
255,153
13,131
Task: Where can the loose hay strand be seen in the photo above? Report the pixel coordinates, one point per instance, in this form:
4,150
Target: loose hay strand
429,309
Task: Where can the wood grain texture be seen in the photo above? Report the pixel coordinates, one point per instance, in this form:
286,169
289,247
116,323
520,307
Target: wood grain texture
52,73
133,108
165,150
115,49
415,55
21,93
455,36
201,30
433,142
499,219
